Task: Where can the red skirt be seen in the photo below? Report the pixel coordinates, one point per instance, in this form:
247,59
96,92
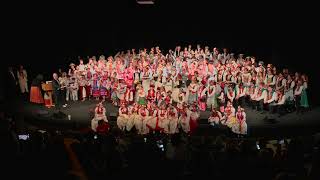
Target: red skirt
35,95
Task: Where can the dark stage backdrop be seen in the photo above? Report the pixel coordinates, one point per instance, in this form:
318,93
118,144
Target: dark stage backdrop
47,39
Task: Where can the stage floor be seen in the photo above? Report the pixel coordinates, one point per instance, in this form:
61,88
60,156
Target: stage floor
258,124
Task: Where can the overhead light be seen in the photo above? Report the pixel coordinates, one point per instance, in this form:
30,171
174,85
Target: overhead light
145,2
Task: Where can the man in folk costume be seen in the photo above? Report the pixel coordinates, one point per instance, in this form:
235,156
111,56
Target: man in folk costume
202,96
82,84
173,120
280,82
23,80
99,114
212,97
193,89
194,117
240,127
151,97
123,116
215,117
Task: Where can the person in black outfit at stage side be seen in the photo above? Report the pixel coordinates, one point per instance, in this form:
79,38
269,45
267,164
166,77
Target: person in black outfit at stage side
56,90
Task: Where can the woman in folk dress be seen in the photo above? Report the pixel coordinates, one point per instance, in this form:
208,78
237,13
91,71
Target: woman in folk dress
132,115
122,117
173,120
184,120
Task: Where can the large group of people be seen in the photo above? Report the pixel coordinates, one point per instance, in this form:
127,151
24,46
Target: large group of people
167,91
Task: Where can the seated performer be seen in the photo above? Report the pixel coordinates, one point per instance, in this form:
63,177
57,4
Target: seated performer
240,127
173,120
99,114
184,119
215,117
123,116
140,121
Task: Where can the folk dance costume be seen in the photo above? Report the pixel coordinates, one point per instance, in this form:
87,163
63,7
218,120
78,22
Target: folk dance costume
129,95
152,123
151,97
162,119
193,95
140,121
74,88
215,117
212,98
202,98
100,114
304,98
181,101
241,126
194,117
122,88
114,97
184,121
141,97
95,87
122,117
82,90
146,76
133,114
103,88
229,112
173,120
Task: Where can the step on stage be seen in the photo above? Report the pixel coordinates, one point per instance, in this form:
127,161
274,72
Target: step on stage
79,114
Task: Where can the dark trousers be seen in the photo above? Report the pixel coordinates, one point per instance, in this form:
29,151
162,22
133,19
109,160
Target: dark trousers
56,96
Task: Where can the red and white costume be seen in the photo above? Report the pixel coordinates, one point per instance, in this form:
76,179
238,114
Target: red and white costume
241,126
184,121
141,121
122,117
99,114
194,117
173,120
